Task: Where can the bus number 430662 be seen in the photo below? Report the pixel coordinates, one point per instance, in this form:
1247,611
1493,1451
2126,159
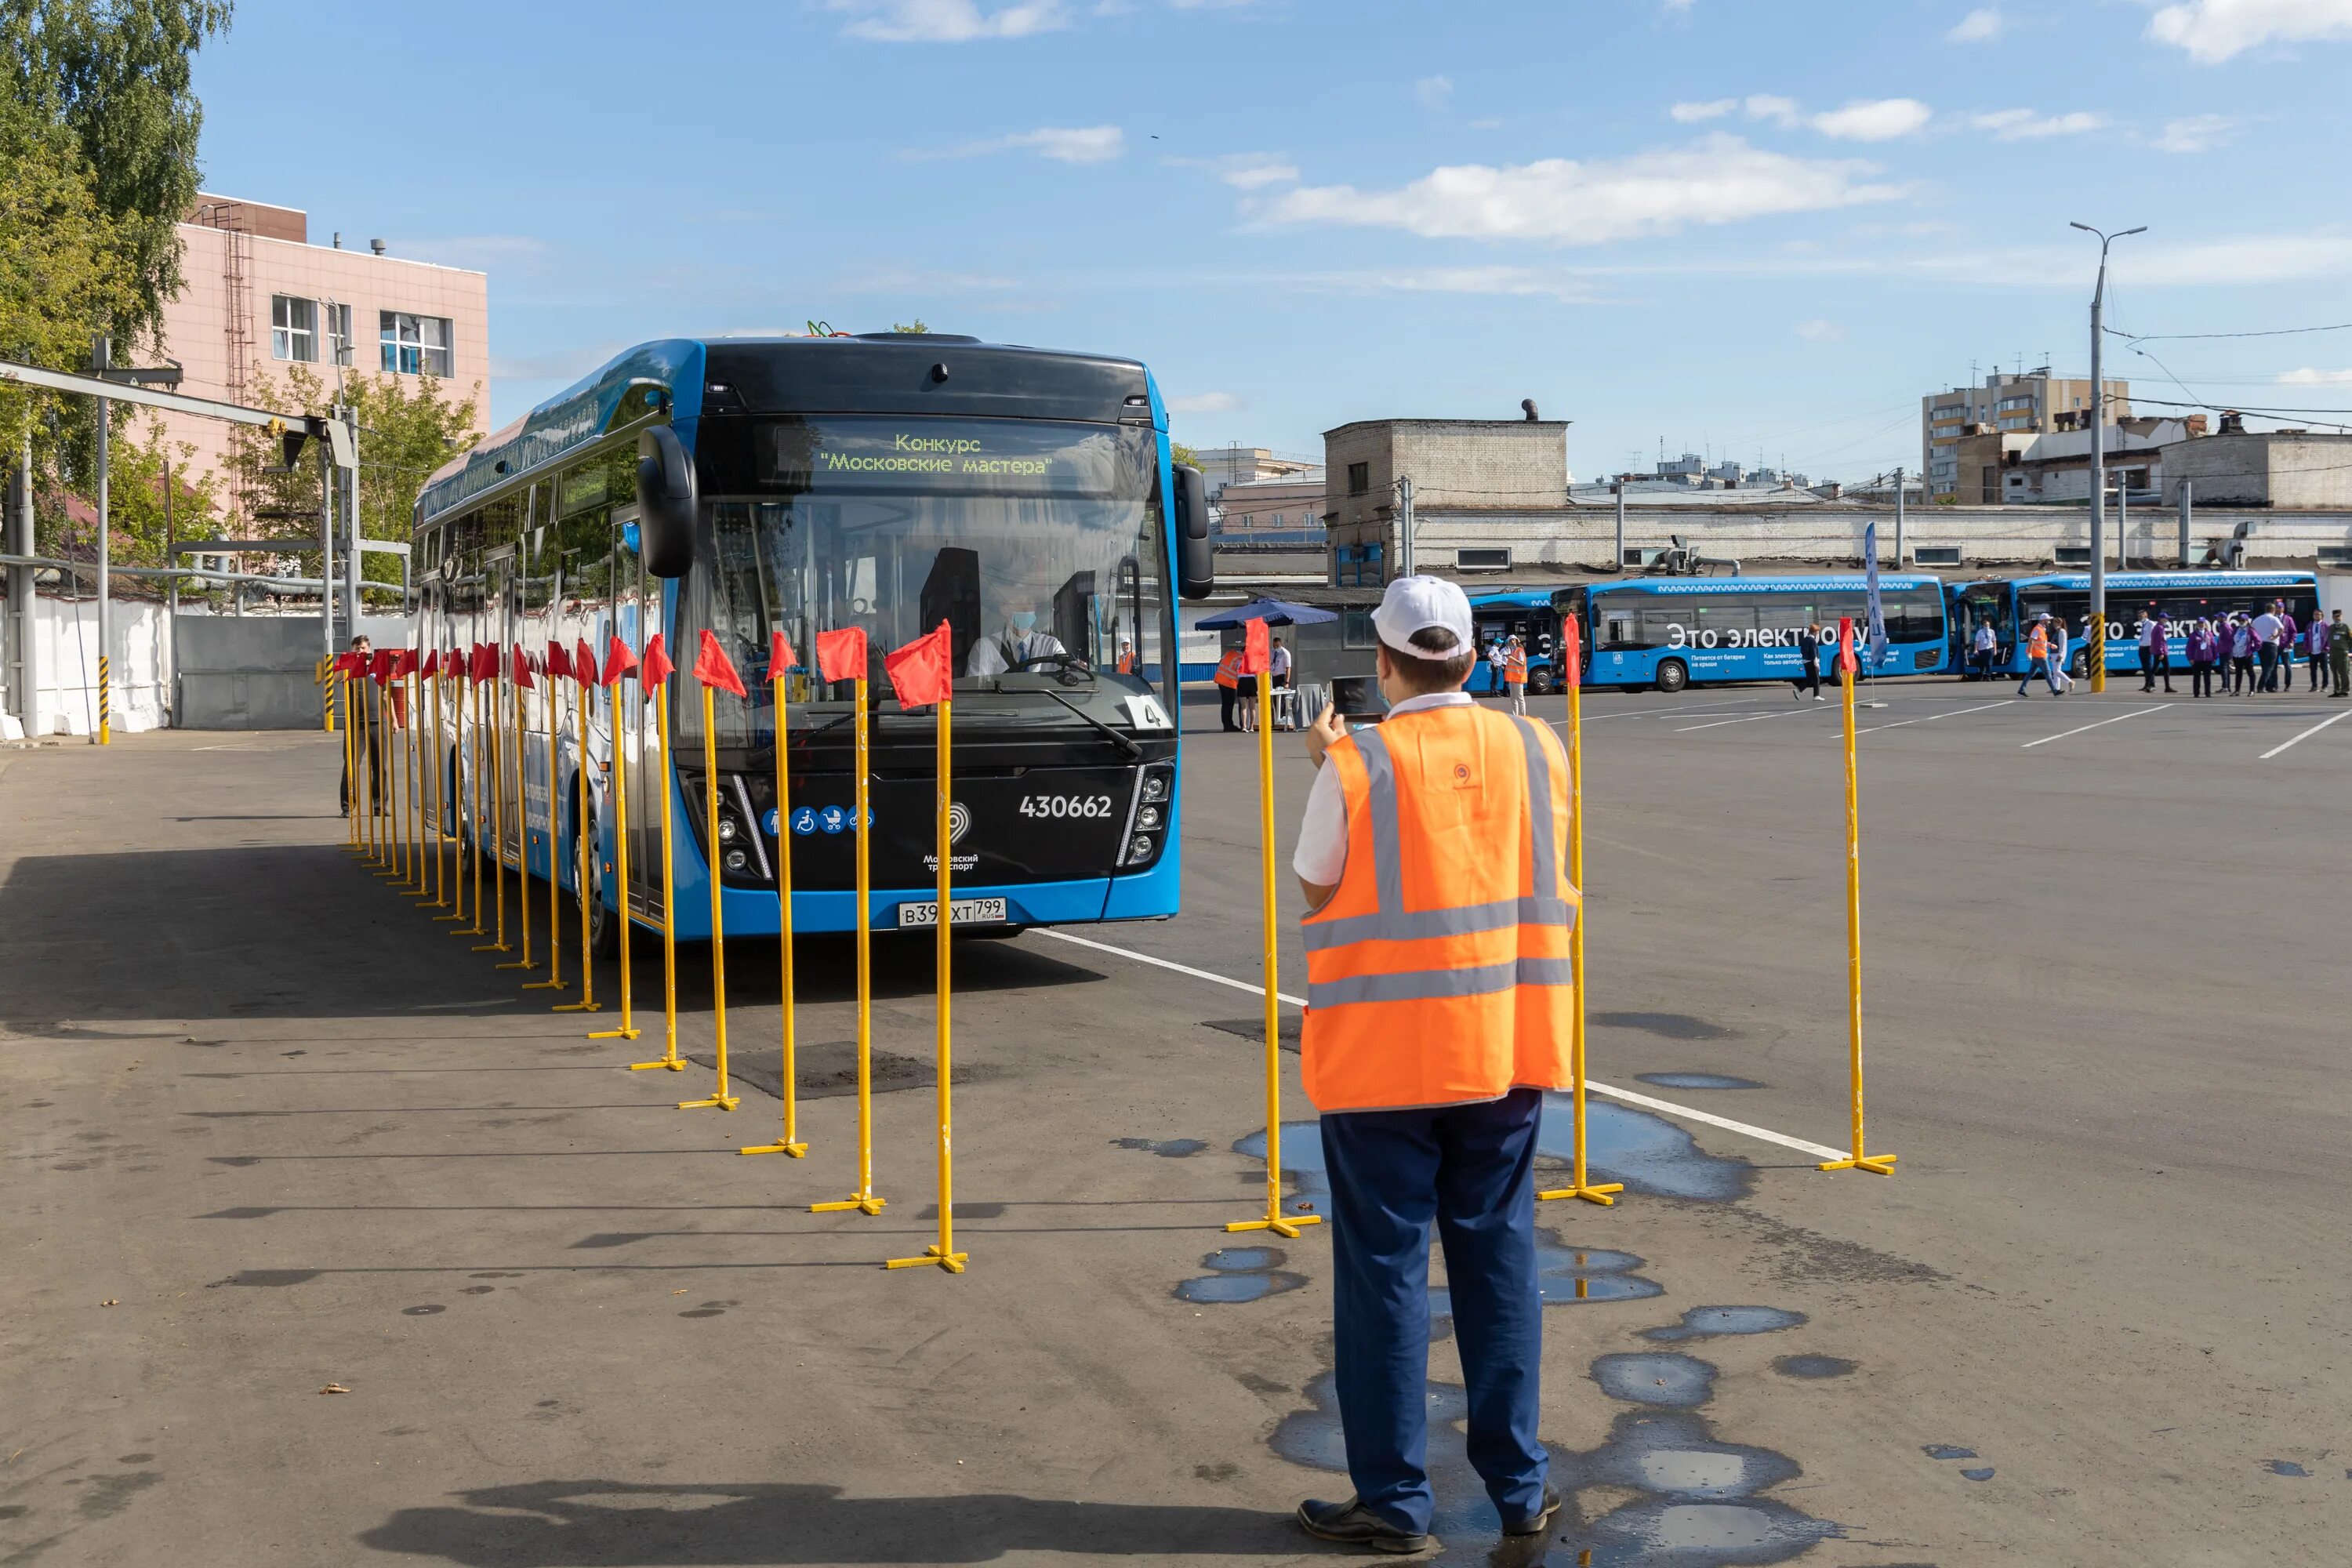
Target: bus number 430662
1066,806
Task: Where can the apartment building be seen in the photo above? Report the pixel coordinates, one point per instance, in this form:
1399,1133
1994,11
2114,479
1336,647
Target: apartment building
259,298
2031,402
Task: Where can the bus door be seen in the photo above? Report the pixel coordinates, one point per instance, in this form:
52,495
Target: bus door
501,621
637,614
1982,604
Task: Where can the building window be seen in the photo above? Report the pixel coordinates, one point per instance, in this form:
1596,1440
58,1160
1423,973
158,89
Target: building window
293,329
1359,478
338,326
1356,629
1482,561
415,344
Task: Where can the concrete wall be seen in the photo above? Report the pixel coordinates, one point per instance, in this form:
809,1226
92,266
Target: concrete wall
2260,469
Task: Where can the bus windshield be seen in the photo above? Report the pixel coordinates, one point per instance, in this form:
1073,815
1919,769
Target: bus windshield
1040,543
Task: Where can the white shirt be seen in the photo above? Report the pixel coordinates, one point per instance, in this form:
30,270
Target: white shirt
2266,628
1281,661
1322,852
1984,638
989,655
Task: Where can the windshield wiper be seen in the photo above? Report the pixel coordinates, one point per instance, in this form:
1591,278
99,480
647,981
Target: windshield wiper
1134,753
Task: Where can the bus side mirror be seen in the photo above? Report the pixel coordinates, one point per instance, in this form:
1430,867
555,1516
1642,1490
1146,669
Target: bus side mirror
665,503
1196,557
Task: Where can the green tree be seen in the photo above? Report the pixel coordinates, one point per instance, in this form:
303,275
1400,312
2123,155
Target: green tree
914,326
1183,455
65,273
114,74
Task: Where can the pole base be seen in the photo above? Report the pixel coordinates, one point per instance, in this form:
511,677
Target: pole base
794,1149
951,1261
864,1203
1591,1193
472,931
494,947
1876,1165
445,920
522,963
542,984
719,1101
580,1007
675,1064
1282,1225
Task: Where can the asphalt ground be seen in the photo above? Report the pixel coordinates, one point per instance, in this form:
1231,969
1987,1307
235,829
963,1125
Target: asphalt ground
266,1132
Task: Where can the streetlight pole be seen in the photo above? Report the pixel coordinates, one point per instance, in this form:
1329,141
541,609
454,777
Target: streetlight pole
2096,654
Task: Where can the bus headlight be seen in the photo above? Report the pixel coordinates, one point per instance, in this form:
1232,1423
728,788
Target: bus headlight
1156,782
1138,849
735,862
727,831
1147,818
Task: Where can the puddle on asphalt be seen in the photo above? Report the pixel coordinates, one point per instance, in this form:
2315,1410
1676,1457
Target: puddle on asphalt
1696,1080
1948,1451
1240,1274
1166,1148
2285,1467
1672,1025
1668,1379
1812,1366
1978,1474
1707,1322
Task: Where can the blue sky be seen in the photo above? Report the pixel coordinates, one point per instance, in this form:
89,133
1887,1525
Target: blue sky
1744,228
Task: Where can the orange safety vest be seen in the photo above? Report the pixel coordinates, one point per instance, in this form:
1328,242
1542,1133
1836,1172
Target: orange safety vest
1439,971
1127,664
1229,669
2037,647
1515,666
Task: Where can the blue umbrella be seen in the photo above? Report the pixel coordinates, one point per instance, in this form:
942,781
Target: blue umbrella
1272,612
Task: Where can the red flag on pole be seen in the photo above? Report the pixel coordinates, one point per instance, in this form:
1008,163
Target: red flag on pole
521,668
408,664
657,668
1257,649
923,672
1845,644
780,656
559,662
432,664
618,661
1572,648
381,670
713,667
583,664
841,656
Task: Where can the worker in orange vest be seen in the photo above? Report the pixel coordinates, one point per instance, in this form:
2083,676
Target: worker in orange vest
1515,675
1439,1009
1229,686
1125,658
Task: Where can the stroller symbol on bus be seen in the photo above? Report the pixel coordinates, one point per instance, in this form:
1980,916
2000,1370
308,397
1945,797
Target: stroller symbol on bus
832,818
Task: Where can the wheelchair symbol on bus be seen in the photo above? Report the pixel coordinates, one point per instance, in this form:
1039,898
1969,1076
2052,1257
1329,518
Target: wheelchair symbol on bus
805,821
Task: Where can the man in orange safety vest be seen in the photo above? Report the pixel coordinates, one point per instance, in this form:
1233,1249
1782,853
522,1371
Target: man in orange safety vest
1439,1010
1229,686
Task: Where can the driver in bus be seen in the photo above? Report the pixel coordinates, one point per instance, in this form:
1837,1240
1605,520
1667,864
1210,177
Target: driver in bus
1021,642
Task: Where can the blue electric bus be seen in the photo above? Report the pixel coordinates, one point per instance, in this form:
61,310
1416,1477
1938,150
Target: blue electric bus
1673,632
2009,606
886,482
1528,615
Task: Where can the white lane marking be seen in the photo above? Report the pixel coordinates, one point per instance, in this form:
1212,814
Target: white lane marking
1645,712
2307,734
1765,1133
1752,718
2101,724
1933,717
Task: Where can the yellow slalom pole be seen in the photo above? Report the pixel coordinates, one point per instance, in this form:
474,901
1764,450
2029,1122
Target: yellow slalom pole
1581,1187
390,763
1274,1220
790,1144
522,819
669,1058
1856,1160
586,857
498,943
863,1200
943,1252
351,767
718,1098
448,819
554,981
472,817
619,846
413,753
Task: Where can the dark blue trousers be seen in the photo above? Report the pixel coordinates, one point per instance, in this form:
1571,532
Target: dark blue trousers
1471,1170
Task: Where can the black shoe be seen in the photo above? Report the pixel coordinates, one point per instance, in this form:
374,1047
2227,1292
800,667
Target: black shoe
1352,1523
1538,1521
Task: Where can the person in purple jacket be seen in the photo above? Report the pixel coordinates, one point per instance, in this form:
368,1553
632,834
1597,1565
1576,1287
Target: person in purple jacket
2200,658
2155,651
2290,637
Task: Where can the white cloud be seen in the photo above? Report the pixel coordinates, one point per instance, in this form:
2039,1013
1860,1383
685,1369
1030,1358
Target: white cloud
1204,403
1063,143
1713,109
1874,120
1820,331
2197,133
2310,377
2025,125
1717,179
1767,106
1243,171
1434,91
2212,31
947,21
1980,25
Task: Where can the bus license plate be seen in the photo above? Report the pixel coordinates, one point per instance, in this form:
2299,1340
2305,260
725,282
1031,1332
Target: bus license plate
963,913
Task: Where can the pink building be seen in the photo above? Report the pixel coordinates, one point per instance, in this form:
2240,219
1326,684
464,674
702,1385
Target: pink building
260,298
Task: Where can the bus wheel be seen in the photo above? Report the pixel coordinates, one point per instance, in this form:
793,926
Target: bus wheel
603,929
1673,675
1539,683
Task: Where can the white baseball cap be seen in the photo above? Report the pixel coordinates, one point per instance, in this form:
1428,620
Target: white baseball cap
1416,604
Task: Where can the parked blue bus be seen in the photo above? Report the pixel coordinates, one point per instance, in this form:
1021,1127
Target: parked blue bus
2010,605
1528,615
1673,632
886,482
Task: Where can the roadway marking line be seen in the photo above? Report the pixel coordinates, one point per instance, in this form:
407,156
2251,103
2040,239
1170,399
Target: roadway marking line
1933,717
1820,1150
1645,712
2306,735
2102,723
1777,713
